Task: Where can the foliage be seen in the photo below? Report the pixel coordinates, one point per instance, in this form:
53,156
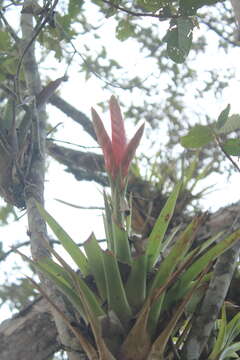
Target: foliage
169,37
200,135
134,302
225,346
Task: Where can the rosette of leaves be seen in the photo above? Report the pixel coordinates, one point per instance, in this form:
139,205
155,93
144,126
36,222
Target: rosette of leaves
138,296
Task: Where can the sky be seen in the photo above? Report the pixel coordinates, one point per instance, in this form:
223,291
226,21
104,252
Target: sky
83,95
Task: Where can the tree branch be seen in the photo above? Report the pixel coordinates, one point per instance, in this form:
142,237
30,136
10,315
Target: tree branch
74,114
219,33
139,14
34,180
31,334
205,320
83,165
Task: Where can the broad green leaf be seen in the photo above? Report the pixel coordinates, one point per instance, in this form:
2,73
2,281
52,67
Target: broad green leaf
222,119
69,245
136,284
151,5
122,247
155,240
232,124
74,7
179,39
117,299
197,137
232,147
189,7
5,41
95,260
125,29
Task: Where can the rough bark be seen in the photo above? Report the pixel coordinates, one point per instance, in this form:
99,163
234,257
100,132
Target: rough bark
31,334
34,179
205,319
74,114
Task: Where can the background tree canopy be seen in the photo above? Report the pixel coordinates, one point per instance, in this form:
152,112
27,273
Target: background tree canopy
168,62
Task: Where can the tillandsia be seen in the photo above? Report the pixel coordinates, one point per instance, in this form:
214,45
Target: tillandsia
132,305
118,154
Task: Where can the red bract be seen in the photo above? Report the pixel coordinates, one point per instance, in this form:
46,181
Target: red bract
118,153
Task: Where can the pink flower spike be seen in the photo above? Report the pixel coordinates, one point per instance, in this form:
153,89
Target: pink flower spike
118,131
131,149
118,154
103,140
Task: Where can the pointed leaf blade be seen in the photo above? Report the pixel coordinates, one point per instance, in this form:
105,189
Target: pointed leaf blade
156,237
197,137
222,119
104,141
131,149
118,131
69,245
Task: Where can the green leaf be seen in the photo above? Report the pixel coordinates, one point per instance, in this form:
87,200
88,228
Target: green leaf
69,245
5,41
151,5
221,121
122,247
136,284
95,260
117,299
125,29
159,345
195,269
197,137
107,219
176,254
219,343
232,147
230,351
155,240
169,264
87,347
179,39
89,299
233,329
232,124
74,7
189,7
60,278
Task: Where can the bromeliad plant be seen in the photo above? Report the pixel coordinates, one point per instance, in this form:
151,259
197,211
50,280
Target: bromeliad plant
137,297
